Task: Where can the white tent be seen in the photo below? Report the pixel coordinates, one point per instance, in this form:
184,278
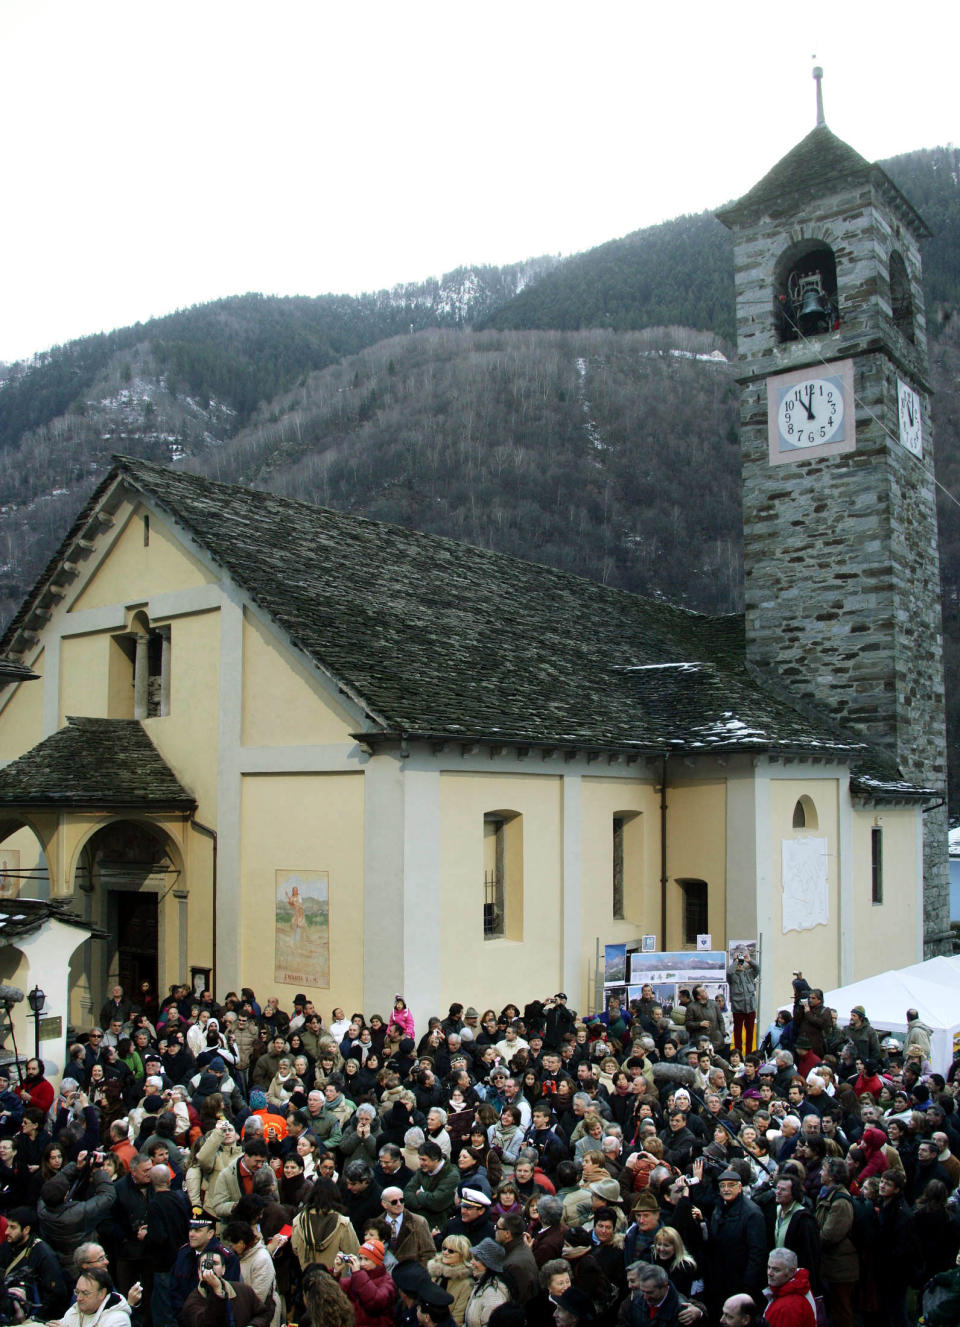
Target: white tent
887,997
943,969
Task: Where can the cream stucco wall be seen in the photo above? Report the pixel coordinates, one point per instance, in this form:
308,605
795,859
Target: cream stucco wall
33,880
84,677
602,799
282,703
187,737
696,850
133,570
308,822
886,935
21,715
815,952
499,969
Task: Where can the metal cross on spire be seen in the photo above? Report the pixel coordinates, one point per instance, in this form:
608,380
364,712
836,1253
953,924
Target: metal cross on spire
818,79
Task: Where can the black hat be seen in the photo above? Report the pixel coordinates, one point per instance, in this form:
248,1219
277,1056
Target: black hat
576,1302
432,1294
410,1277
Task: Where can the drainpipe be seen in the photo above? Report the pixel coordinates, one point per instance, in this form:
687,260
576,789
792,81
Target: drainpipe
211,834
663,852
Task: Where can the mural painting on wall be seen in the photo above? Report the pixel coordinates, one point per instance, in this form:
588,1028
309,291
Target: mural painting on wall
9,873
303,928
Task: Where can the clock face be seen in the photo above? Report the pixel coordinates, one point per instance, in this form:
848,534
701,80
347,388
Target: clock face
810,412
911,431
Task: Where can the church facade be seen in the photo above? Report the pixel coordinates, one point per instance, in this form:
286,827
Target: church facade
272,745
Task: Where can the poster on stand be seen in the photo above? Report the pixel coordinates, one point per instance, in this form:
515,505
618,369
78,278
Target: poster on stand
614,965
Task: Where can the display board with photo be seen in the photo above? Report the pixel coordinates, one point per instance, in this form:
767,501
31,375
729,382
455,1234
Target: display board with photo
682,966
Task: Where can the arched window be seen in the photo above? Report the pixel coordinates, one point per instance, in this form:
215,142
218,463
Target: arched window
805,814
140,671
901,301
805,291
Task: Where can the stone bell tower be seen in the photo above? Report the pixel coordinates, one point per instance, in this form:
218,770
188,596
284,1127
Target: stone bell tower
842,584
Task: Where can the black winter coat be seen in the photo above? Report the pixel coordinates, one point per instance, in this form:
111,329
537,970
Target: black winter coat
737,1251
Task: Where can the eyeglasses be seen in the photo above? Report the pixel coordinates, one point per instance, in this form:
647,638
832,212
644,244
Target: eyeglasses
395,1202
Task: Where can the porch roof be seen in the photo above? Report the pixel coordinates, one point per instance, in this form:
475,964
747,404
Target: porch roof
22,916
94,763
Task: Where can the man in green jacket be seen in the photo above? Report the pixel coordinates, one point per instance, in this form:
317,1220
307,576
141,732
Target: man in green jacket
431,1192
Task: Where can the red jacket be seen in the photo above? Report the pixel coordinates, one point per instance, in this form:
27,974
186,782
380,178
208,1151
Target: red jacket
372,1295
791,1305
36,1092
872,1143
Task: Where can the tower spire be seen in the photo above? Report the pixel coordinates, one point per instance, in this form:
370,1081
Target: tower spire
818,79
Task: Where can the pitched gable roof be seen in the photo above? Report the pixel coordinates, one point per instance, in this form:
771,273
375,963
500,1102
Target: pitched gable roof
817,166
94,763
436,639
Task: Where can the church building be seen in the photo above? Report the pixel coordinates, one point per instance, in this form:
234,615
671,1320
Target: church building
261,743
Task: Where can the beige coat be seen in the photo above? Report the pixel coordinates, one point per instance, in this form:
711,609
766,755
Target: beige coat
456,1281
319,1239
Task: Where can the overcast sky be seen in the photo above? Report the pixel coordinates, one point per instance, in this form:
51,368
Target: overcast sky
161,155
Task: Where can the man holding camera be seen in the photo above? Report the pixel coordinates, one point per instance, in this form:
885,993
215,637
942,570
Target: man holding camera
33,1285
217,1302
201,1239
742,979
559,1020
66,1219
811,1019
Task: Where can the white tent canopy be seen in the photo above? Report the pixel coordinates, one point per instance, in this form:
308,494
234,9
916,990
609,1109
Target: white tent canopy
932,988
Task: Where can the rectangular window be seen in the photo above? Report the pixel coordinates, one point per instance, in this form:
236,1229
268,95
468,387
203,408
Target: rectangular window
493,867
503,875
618,912
876,863
695,912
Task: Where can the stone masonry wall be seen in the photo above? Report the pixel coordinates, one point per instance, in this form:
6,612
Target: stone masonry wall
842,586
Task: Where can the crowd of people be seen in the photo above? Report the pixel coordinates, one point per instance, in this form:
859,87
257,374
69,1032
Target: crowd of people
234,1164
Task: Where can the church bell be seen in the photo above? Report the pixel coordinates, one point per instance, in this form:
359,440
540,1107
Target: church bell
810,305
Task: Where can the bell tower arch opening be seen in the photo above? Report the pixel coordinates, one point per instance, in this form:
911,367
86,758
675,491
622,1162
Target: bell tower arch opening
805,299
901,300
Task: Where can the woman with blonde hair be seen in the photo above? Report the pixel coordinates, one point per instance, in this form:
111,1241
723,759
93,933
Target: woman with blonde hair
670,1253
451,1271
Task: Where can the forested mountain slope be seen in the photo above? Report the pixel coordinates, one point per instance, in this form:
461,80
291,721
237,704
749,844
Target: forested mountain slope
561,433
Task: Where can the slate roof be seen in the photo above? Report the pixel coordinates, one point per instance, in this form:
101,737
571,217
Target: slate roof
440,640
433,638
23,916
819,165
94,763
11,671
